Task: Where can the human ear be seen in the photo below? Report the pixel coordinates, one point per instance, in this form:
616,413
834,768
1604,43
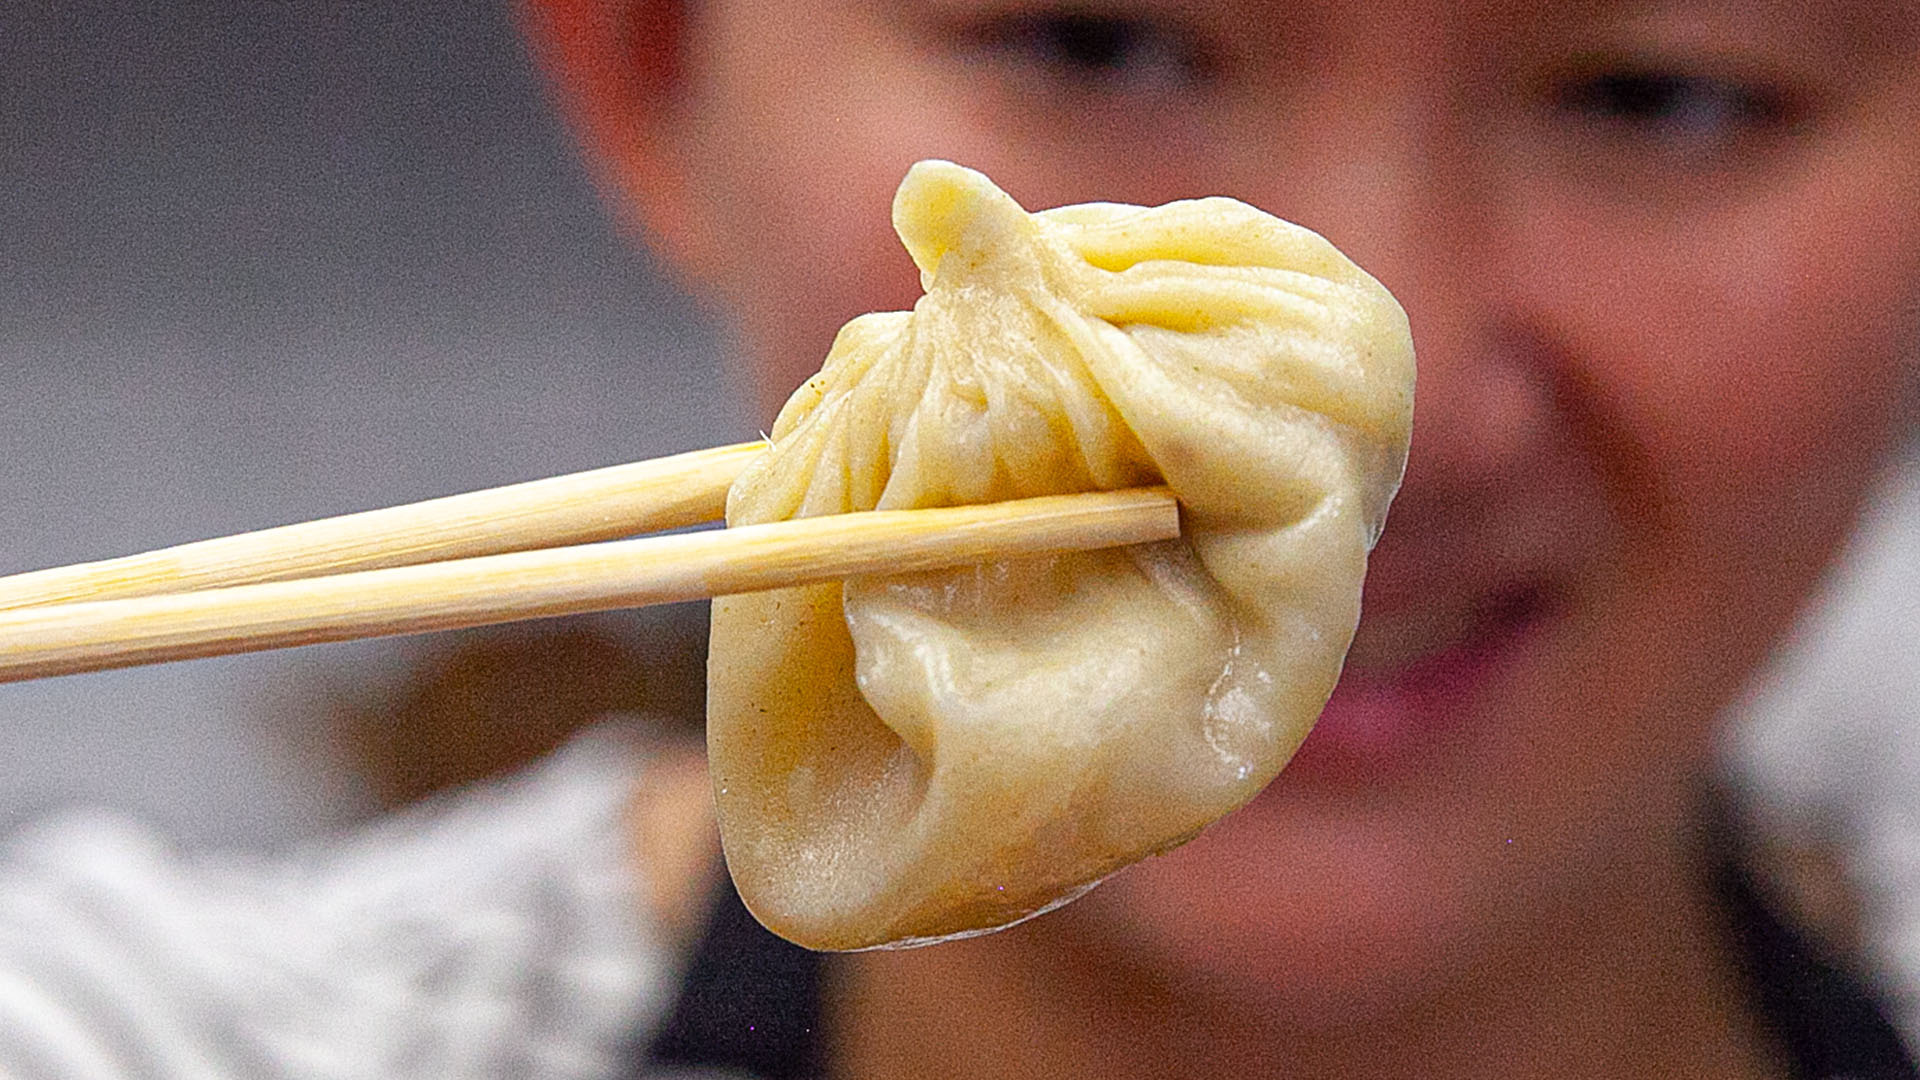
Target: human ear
616,70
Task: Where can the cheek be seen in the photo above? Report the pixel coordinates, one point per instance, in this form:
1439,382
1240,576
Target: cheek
801,131
1737,372
1753,361
813,119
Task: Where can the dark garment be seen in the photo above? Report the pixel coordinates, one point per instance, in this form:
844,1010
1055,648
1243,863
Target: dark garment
1825,1022
751,1002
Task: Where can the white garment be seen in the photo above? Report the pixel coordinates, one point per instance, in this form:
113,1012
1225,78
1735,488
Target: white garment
1830,741
499,932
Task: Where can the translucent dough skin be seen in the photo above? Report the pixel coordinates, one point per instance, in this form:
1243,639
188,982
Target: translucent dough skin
904,759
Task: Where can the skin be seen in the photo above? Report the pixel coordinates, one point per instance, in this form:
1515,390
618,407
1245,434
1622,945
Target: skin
1662,263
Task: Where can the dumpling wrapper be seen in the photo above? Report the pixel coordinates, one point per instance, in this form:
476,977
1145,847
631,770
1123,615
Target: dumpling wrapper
898,760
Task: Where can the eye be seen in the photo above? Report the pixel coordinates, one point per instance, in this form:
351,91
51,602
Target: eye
1081,49
1679,111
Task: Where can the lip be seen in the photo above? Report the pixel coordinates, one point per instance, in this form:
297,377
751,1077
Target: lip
1379,723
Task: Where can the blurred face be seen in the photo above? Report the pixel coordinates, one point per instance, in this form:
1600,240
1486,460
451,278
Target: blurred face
1661,260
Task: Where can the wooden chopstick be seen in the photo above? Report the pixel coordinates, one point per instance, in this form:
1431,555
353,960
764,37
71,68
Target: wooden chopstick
602,504
63,639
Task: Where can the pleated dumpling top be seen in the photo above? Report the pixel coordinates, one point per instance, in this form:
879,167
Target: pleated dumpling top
901,759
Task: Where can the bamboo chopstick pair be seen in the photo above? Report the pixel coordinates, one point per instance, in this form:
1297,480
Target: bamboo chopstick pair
519,552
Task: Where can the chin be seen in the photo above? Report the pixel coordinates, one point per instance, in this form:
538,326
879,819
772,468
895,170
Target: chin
1323,914
1350,894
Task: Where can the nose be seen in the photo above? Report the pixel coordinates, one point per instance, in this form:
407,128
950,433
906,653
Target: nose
1402,188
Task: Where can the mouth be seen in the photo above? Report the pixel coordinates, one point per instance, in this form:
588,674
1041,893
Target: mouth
1399,698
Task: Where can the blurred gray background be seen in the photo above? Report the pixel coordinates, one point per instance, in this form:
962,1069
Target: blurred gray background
265,261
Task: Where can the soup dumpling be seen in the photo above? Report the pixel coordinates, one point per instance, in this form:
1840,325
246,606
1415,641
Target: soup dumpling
901,759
